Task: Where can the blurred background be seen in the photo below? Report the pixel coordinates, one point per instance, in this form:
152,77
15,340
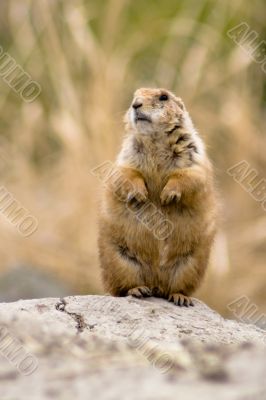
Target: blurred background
89,56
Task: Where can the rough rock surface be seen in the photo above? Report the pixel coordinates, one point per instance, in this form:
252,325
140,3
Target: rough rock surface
124,348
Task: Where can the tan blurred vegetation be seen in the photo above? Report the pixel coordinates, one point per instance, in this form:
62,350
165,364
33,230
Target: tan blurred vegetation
89,56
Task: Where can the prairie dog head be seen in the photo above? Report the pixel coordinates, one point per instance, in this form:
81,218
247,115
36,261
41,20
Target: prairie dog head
154,111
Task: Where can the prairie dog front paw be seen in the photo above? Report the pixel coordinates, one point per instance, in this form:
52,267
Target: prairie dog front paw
138,193
169,194
130,186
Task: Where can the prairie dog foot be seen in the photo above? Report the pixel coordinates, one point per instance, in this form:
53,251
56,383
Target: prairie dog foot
180,300
140,291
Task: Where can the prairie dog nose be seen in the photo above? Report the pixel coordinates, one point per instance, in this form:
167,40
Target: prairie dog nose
137,104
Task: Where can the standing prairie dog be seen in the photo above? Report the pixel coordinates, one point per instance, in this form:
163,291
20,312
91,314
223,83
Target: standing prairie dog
162,176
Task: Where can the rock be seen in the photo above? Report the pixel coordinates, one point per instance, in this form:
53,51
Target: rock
102,347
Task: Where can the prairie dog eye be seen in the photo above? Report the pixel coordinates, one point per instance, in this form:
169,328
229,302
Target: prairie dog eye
163,97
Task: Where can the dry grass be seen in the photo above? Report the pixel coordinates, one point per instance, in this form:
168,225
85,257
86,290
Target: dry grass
88,57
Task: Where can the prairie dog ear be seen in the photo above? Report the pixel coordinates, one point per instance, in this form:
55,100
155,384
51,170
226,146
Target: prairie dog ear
180,103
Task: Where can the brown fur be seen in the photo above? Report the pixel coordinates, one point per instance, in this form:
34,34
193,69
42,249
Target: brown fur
162,166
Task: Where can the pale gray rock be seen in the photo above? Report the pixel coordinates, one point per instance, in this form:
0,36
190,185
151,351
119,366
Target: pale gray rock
101,347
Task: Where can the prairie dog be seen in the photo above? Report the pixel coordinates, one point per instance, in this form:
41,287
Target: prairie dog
158,215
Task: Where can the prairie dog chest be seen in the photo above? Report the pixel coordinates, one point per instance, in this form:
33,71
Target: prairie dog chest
161,156
152,160
156,158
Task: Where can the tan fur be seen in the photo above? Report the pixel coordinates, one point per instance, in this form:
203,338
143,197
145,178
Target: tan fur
162,166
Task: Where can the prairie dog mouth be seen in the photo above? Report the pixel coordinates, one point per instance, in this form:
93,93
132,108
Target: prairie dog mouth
139,116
